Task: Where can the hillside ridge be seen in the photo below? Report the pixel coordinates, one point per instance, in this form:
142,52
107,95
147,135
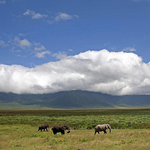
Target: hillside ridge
77,99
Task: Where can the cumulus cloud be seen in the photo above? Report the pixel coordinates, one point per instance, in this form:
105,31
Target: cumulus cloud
34,15
116,73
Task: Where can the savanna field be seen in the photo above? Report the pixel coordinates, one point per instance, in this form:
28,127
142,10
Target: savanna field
130,129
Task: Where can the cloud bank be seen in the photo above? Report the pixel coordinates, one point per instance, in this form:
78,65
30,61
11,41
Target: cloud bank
116,73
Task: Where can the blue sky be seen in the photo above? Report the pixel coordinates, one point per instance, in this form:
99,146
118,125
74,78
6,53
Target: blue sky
35,34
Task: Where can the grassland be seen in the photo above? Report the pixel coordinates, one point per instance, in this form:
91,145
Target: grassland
26,137
17,106
130,129
80,118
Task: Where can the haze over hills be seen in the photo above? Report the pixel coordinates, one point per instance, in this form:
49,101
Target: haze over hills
74,99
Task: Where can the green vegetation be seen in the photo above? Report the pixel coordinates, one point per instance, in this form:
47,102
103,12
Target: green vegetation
80,118
26,137
17,106
130,129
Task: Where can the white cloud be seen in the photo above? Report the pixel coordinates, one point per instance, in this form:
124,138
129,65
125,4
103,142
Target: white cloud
2,1
62,17
131,49
60,55
57,18
116,73
34,15
42,54
38,47
21,43
25,42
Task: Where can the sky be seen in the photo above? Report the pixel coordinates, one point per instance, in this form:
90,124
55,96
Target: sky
48,46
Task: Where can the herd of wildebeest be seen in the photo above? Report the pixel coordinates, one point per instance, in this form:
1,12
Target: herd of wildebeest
62,128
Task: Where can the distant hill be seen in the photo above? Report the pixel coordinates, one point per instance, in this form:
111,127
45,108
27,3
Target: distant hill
74,99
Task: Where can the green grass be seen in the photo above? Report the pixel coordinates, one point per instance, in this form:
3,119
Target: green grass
130,129
26,137
80,119
17,106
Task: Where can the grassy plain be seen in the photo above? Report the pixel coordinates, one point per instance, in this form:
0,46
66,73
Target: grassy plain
17,106
80,118
26,137
130,129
